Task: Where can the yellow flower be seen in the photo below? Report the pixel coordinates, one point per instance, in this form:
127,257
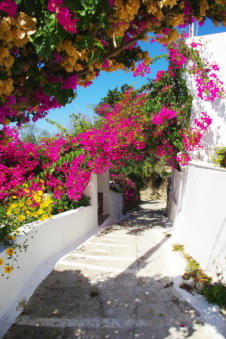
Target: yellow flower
9,211
14,197
8,269
35,214
44,217
10,251
48,201
1,261
11,237
17,211
40,211
40,193
21,217
37,198
43,205
21,204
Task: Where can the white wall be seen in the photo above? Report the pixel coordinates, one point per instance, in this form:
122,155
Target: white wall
198,214
198,193
48,242
214,50
116,200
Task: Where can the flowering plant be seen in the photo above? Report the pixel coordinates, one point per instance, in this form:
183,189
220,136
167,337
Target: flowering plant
33,206
122,184
219,156
152,122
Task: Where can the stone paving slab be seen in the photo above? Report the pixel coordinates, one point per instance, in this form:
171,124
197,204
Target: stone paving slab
116,286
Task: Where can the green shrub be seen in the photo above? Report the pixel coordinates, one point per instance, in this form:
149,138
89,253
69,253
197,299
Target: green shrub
216,294
220,156
65,204
178,247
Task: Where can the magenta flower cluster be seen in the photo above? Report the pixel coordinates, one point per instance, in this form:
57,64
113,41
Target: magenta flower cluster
63,15
71,82
208,85
9,7
159,76
45,104
18,162
165,113
141,70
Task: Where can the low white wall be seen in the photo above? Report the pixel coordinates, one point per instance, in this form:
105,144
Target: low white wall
116,200
115,209
198,215
48,242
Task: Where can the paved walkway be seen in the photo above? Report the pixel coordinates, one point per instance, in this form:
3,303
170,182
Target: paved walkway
116,286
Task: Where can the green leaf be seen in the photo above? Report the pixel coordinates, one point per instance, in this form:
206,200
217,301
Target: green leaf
100,46
74,5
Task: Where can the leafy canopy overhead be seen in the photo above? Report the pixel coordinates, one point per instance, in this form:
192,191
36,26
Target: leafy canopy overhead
49,47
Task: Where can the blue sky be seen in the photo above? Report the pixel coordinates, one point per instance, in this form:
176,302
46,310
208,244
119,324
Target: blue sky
87,97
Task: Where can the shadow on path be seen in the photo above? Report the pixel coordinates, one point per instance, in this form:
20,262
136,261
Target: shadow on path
73,303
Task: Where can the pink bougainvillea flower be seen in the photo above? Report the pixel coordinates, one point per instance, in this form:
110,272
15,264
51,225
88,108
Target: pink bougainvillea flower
165,113
157,120
11,100
111,3
201,23
106,63
159,75
165,30
9,7
70,26
204,122
63,16
215,67
53,5
104,43
187,8
183,158
71,82
141,70
57,57
87,83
